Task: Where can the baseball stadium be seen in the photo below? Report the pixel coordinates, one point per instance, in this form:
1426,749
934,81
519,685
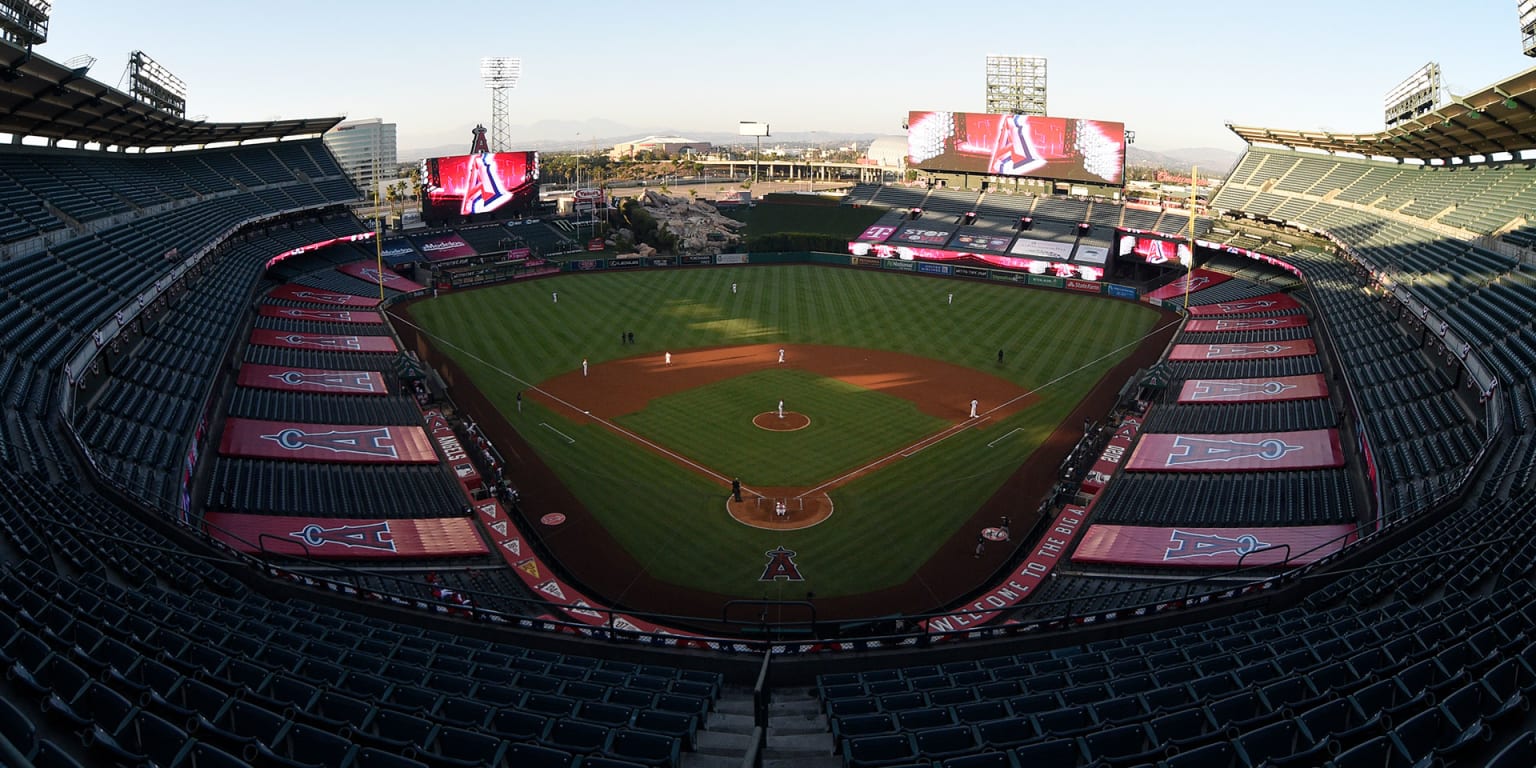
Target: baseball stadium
993,462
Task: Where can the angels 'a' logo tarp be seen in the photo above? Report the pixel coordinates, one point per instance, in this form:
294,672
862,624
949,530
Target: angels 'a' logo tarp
346,444
331,382
1199,280
316,315
1245,452
1256,350
1272,389
1267,304
1183,547
1229,324
325,342
312,295
349,538
370,274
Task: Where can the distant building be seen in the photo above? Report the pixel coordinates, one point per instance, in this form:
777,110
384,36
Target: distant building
888,152
357,144
671,145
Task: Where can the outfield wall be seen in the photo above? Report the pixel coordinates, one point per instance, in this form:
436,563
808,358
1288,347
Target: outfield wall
918,266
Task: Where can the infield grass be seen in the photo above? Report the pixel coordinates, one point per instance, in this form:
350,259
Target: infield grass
673,520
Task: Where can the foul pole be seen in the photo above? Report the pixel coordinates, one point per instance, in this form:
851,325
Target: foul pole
1189,266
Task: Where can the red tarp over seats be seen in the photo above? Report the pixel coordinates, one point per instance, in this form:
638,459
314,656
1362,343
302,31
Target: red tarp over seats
1244,452
369,273
337,443
312,380
313,295
348,537
1273,389
1223,324
1257,350
1199,280
320,315
1210,547
267,337
1269,302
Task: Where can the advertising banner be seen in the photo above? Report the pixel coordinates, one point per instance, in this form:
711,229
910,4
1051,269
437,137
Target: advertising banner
1223,324
369,273
1270,302
1198,280
1037,566
447,246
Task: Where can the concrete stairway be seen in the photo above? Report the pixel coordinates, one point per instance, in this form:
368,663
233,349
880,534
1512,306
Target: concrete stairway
797,733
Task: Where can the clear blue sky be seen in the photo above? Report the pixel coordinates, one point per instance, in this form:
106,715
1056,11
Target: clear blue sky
1174,72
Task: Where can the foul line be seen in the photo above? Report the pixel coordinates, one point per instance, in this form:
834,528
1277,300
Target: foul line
834,482
1006,436
568,439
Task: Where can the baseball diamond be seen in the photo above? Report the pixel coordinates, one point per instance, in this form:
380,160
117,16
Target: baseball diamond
886,387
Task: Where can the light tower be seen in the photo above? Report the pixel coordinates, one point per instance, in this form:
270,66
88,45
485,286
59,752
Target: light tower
500,74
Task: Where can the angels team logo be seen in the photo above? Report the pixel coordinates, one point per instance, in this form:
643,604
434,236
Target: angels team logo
354,381
781,565
1014,152
1246,306
376,276
366,442
1219,351
1183,544
375,536
323,298
314,314
1195,284
1217,389
482,189
1196,450
334,342
1250,323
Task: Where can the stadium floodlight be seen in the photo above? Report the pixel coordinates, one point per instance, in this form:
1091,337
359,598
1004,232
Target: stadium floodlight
1527,10
25,22
155,85
500,74
1416,96
1016,85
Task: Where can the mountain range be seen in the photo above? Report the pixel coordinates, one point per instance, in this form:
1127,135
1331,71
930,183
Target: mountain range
600,134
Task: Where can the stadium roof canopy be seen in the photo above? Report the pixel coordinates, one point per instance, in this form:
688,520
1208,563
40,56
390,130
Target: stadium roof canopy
1498,118
40,97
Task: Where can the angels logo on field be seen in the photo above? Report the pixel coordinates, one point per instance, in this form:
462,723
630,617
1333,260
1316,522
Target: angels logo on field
482,189
334,342
315,314
1194,450
1216,389
374,536
1220,351
1246,306
377,441
323,298
781,565
355,381
1183,544
1249,323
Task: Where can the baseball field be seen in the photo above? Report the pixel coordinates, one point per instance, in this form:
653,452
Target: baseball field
879,464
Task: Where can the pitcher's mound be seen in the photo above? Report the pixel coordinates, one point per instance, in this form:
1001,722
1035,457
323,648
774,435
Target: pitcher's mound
792,421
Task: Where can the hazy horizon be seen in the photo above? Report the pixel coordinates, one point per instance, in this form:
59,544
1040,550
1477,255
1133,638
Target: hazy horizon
1174,74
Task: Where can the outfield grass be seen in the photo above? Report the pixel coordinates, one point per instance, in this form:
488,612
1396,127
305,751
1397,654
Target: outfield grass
850,426
886,523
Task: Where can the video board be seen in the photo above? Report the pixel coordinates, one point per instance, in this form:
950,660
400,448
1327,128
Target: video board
1063,148
1156,251
469,185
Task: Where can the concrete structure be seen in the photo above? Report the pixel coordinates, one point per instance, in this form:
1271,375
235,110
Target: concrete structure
889,152
672,145
357,143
